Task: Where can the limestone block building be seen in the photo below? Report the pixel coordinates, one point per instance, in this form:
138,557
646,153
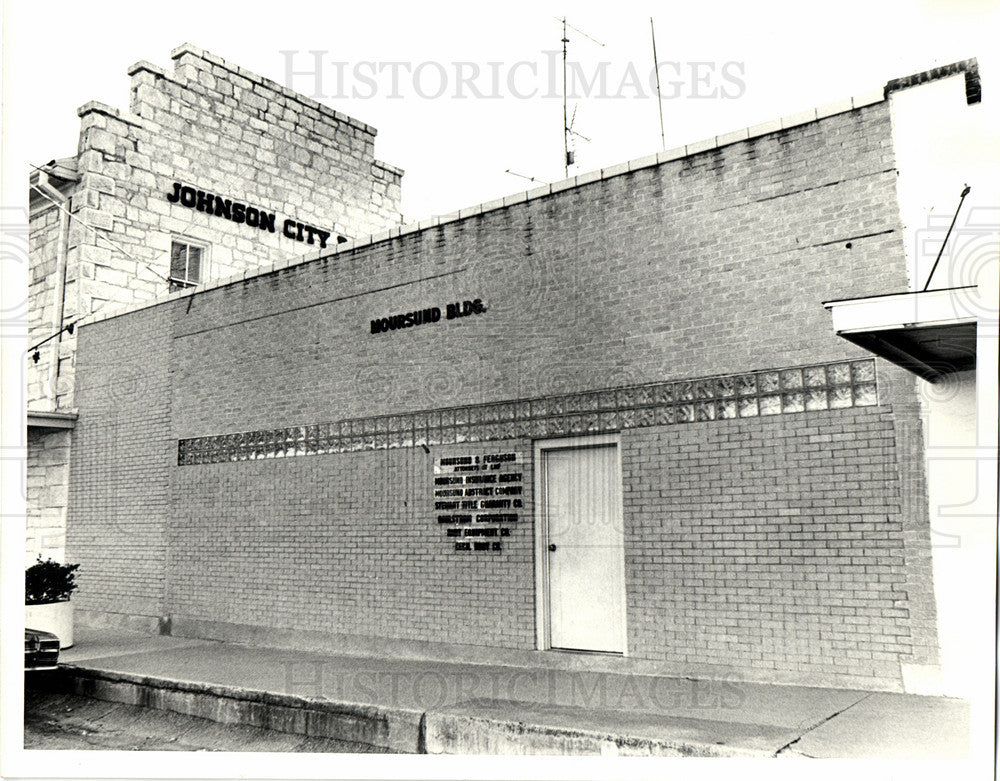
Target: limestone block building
212,171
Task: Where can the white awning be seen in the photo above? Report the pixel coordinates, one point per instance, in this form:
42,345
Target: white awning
931,333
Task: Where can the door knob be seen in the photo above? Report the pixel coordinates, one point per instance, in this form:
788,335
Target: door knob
552,546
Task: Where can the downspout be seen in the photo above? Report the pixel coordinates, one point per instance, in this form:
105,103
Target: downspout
59,302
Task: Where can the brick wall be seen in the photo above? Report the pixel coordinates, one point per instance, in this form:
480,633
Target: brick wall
705,265
713,264
119,501
350,546
769,544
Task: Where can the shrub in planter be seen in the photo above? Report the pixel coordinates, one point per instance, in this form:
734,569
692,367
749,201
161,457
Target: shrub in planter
47,589
49,581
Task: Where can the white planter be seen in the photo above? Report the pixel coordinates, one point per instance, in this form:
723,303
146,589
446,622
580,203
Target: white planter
55,617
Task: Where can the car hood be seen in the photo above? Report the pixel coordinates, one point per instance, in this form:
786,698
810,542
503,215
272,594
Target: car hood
30,634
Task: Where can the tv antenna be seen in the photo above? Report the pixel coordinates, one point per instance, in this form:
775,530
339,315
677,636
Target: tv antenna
572,132
524,176
567,126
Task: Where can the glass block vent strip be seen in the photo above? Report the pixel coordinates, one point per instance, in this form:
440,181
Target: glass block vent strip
753,394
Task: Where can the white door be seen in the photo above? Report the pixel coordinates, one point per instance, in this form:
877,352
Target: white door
583,545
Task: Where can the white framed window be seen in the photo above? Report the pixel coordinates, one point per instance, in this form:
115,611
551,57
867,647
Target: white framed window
188,263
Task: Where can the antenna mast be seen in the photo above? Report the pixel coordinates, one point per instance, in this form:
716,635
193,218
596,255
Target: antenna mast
566,160
567,129
656,70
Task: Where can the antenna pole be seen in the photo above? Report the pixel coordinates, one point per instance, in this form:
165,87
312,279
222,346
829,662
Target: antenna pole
944,243
567,127
656,70
565,40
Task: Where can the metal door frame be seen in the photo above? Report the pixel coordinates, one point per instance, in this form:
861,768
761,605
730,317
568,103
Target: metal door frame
542,622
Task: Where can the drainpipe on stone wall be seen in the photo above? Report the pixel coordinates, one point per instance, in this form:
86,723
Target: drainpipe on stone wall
60,287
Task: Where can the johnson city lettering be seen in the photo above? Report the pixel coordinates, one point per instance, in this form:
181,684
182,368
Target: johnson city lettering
243,213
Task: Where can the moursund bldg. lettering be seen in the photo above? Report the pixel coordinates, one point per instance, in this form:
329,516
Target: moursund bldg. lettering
429,315
243,213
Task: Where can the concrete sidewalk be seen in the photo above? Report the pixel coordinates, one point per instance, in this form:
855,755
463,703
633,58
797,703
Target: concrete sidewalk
448,708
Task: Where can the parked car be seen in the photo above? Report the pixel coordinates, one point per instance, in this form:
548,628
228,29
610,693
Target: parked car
41,650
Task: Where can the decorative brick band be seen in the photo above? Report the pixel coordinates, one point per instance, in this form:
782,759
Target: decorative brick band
801,389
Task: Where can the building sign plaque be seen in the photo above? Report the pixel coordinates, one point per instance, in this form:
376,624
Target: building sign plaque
475,495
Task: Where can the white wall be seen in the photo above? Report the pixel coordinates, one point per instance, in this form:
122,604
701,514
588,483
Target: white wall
943,144
960,536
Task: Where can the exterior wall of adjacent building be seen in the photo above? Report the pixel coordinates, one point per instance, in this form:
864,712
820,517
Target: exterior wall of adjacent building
46,489
937,158
253,460
47,387
218,129
43,319
961,530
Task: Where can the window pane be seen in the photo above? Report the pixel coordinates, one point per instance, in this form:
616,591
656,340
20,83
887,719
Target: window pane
194,264
178,260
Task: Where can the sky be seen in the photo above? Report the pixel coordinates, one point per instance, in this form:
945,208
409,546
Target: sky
460,96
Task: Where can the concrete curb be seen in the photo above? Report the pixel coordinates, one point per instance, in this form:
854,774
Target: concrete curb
456,730
457,733
399,730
